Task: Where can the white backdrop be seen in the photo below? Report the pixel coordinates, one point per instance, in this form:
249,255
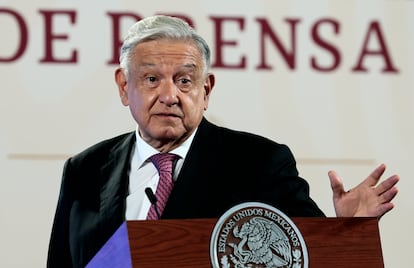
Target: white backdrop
339,119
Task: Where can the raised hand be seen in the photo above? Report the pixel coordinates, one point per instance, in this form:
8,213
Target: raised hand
366,199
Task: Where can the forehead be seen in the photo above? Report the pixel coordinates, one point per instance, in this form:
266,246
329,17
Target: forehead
168,52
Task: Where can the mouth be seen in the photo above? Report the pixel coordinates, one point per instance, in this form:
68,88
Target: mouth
167,115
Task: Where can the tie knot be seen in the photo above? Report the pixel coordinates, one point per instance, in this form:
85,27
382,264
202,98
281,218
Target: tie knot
163,161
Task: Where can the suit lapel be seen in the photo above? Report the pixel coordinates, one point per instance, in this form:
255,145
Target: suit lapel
185,200
114,176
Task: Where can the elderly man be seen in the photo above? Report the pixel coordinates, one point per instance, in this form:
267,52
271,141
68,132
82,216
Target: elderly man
164,78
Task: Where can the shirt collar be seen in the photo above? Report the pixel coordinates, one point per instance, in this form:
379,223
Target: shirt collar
143,150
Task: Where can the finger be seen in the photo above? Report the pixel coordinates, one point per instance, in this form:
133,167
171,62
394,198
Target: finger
384,208
336,183
388,195
387,184
374,177
390,189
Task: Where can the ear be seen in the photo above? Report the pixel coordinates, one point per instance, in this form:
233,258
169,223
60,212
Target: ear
208,87
121,81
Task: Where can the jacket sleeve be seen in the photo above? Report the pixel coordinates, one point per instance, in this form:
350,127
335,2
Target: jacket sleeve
293,193
59,251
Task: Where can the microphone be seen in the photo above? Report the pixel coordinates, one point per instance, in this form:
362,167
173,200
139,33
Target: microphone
153,199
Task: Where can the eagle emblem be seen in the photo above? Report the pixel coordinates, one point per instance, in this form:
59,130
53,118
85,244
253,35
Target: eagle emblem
262,242
257,235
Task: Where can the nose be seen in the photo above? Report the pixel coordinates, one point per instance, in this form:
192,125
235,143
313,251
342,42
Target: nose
168,93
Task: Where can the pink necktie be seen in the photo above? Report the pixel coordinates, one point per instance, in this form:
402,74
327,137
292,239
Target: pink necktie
164,164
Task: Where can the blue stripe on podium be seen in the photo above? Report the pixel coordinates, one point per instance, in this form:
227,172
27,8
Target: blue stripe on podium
115,253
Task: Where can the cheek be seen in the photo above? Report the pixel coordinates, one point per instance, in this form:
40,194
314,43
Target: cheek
136,102
139,112
195,105
203,100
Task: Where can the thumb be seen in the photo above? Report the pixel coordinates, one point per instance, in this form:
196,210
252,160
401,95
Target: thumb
336,184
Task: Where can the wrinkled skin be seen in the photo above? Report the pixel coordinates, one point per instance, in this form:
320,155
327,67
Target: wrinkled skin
166,90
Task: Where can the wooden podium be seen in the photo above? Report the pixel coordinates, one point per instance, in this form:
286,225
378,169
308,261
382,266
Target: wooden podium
331,242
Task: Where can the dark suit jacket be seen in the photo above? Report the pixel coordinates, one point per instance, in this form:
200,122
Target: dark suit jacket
223,168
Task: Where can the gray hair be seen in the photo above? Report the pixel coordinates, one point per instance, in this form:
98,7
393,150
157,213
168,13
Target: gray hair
161,27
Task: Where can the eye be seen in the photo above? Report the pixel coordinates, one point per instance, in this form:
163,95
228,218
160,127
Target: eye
184,81
184,84
151,79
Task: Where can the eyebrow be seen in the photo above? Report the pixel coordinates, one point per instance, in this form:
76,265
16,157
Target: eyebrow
187,66
146,64
191,66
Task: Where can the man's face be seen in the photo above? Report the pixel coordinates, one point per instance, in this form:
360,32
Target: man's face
166,91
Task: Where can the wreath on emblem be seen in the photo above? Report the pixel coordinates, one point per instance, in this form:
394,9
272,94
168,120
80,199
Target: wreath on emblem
259,242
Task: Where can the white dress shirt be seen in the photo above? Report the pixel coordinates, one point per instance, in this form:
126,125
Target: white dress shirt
144,174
